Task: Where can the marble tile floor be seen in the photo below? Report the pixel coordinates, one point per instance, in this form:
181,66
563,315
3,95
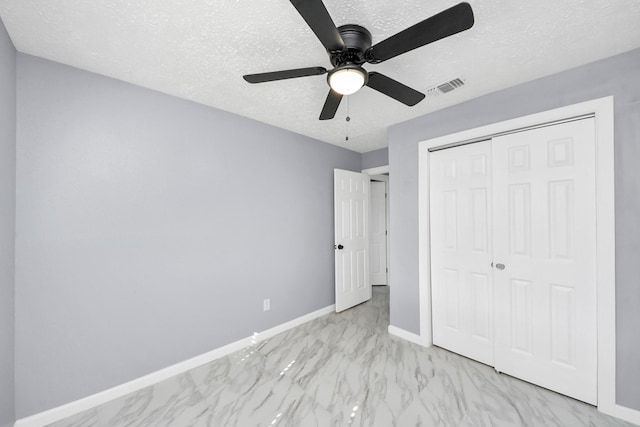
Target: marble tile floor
343,369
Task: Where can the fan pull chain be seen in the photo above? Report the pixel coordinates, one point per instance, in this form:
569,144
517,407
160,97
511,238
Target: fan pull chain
348,120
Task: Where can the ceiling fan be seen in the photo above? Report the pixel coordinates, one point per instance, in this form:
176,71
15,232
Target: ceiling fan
349,46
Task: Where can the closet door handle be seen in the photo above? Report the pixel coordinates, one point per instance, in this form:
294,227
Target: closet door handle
500,266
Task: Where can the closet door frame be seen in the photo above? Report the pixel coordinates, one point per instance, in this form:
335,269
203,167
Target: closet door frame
602,110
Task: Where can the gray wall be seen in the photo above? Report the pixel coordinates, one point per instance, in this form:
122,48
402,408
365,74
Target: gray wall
7,223
618,76
373,159
150,229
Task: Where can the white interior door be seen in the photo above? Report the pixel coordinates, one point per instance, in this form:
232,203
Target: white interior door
351,204
544,189
378,233
461,251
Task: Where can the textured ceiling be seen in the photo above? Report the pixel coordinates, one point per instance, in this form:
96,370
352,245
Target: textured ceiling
200,50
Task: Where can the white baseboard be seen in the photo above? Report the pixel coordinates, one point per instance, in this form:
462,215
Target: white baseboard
409,336
61,412
622,412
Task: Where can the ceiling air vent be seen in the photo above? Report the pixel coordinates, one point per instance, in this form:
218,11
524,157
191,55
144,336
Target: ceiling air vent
445,87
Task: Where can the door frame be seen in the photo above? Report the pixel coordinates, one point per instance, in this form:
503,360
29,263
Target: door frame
378,172
385,179
602,109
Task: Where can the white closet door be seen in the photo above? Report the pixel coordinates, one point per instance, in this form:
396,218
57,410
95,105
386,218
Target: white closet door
461,250
545,297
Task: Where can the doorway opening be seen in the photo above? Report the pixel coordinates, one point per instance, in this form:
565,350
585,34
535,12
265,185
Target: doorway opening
379,225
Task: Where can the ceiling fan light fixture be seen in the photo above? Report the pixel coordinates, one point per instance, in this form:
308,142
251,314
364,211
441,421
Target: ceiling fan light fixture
349,46
347,79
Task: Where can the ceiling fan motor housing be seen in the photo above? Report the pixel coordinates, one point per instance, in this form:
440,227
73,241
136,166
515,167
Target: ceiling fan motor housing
357,40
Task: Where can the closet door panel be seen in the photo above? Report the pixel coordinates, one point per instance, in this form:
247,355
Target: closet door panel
545,297
461,275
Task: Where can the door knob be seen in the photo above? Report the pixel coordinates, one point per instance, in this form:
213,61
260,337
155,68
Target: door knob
500,266
340,247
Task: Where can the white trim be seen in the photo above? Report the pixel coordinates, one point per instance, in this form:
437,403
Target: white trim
624,413
406,335
61,412
605,223
424,248
377,170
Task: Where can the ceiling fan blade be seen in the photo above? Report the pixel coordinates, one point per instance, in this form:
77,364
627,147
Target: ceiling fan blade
446,23
394,89
331,105
285,74
317,17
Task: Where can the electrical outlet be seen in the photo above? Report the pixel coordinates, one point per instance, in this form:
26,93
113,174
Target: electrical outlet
266,304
